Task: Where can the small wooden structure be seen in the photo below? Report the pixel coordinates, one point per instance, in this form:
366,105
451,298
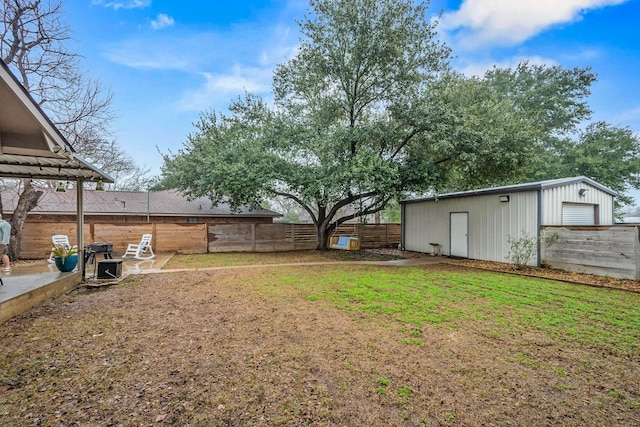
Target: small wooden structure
345,243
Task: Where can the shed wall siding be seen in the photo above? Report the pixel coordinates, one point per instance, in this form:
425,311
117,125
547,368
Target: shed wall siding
491,222
552,199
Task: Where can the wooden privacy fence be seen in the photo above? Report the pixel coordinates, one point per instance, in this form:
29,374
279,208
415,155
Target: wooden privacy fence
200,238
293,237
183,238
604,250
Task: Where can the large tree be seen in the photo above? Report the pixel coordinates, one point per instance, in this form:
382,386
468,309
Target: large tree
367,110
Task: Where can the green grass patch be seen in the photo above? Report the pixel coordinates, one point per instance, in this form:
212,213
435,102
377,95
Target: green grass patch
499,303
404,392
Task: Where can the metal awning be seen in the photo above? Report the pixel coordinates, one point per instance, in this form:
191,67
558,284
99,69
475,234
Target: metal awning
17,166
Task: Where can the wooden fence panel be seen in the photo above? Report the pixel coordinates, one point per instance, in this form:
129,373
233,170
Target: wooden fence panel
120,235
288,237
201,238
273,238
607,251
372,235
303,236
36,237
231,238
181,238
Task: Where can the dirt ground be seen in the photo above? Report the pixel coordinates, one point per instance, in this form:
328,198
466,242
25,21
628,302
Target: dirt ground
564,276
209,349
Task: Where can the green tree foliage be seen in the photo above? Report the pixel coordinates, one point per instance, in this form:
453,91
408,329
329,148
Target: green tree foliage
603,152
555,98
556,101
366,112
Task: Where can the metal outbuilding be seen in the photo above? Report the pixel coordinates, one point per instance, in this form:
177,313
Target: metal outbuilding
478,224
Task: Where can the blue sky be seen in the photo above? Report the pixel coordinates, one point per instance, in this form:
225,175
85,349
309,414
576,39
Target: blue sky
166,61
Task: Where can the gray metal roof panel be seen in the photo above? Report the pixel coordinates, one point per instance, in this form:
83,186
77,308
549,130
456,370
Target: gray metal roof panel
539,185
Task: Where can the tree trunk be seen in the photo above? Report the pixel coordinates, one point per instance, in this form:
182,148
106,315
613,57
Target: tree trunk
324,231
322,237
27,201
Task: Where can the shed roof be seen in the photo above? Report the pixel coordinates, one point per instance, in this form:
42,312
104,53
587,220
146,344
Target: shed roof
165,203
531,186
30,145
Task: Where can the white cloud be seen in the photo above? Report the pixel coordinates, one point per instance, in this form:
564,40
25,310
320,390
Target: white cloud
162,21
224,64
122,4
219,89
509,22
204,52
134,55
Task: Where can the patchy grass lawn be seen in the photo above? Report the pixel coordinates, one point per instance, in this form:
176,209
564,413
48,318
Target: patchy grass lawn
231,259
326,345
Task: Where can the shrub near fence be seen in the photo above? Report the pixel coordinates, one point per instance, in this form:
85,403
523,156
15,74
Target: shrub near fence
200,238
604,250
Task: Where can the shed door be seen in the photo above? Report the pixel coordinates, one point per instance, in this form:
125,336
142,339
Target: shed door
578,214
459,240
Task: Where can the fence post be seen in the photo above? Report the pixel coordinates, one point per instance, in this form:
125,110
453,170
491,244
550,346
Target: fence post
206,237
637,248
386,234
154,242
253,237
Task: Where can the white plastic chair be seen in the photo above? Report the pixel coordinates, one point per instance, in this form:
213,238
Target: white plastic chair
141,250
58,240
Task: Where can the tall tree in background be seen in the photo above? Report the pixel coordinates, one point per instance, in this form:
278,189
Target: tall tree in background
34,43
365,112
603,152
556,99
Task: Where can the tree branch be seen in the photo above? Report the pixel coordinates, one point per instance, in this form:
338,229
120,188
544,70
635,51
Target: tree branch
299,202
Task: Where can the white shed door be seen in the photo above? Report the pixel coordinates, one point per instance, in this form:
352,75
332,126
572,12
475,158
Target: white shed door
578,214
459,231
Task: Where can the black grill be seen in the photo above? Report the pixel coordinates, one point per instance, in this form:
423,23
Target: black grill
100,248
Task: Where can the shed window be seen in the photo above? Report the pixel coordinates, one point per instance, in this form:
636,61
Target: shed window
579,214
192,220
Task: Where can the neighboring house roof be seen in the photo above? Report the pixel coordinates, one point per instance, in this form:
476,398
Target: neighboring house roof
164,203
30,144
540,185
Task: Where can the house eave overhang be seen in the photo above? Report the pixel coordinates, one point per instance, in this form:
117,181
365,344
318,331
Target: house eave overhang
30,144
